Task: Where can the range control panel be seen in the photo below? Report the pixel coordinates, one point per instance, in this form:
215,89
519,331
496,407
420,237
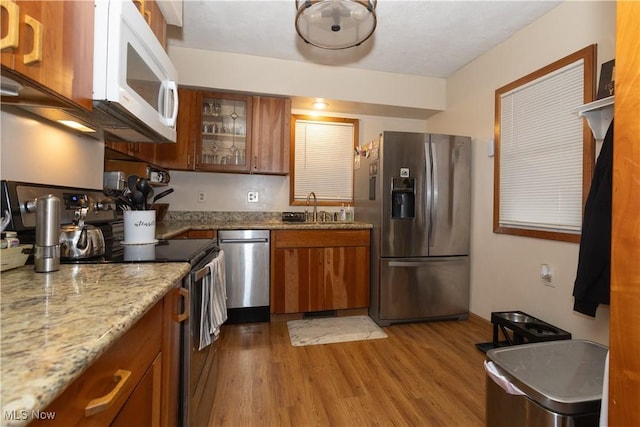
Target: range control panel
19,199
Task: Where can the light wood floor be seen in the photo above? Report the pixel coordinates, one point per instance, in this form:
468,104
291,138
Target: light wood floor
423,374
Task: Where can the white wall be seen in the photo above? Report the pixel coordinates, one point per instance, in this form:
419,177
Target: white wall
290,78
37,152
505,269
228,192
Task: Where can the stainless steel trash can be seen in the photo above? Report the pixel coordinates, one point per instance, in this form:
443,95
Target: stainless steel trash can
556,383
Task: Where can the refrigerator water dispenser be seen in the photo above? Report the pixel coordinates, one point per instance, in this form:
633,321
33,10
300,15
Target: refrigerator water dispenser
403,198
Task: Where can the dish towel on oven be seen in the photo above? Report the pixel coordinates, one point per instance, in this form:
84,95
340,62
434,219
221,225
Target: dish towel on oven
213,311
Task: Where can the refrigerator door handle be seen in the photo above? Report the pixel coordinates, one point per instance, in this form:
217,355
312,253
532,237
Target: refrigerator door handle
434,193
428,189
417,263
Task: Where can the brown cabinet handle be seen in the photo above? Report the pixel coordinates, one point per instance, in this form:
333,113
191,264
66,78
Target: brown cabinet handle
101,403
185,314
139,5
147,16
11,40
36,53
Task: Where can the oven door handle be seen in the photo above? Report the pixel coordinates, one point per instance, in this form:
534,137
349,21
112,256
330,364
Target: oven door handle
199,275
185,314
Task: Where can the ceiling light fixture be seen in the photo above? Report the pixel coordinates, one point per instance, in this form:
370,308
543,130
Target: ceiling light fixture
319,104
335,24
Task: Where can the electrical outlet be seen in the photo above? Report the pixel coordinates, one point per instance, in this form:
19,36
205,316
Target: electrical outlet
252,197
202,197
546,274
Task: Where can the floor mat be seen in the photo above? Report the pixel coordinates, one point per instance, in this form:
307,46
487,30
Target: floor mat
333,330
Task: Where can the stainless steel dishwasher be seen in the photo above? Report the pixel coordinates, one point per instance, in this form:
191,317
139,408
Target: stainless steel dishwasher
246,255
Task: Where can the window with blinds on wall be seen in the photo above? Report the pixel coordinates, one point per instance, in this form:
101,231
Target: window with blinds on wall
324,160
540,157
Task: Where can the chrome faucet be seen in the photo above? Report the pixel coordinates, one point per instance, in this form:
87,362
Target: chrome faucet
315,205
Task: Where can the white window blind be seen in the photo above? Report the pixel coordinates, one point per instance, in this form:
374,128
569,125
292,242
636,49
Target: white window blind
324,160
541,152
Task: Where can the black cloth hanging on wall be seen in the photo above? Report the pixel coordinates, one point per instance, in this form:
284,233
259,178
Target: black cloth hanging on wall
593,279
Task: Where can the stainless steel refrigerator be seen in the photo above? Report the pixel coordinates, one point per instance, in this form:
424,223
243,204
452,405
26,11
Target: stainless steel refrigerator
415,189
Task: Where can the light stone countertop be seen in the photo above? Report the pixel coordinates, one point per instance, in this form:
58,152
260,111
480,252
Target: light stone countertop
55,325
169,229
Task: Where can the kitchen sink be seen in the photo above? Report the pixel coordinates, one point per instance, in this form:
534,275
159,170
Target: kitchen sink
322,218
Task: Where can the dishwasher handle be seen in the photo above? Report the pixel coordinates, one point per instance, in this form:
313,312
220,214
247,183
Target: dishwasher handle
244,240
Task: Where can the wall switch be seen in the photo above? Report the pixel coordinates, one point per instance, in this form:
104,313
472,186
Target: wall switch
202,197
252,197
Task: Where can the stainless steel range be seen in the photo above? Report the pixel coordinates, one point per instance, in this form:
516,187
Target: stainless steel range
197,357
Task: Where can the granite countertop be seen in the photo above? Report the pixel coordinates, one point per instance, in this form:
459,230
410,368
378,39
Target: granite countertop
55,325
169,229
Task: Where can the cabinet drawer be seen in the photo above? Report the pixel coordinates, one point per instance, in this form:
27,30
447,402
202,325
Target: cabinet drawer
320,238
202,234
118,371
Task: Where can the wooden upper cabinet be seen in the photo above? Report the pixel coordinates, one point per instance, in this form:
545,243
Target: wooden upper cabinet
153,15
140,150
49,45
181,155
224,132
271,135
223,142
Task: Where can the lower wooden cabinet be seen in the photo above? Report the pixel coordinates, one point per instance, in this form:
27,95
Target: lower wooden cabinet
315,270
135,382
143,406
197,234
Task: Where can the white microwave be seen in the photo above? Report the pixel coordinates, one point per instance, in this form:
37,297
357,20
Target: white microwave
135,92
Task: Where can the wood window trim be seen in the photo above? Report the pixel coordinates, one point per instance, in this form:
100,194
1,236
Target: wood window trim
588,54
292,154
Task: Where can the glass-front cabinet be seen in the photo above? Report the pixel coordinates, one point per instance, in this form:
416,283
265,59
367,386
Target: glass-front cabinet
225,142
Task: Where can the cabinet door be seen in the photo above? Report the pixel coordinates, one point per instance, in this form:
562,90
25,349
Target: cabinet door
224,142
346,277
55,47
143,406
176,312
202,234
271,135
144,151
152,14
298,282
96,397
180,156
